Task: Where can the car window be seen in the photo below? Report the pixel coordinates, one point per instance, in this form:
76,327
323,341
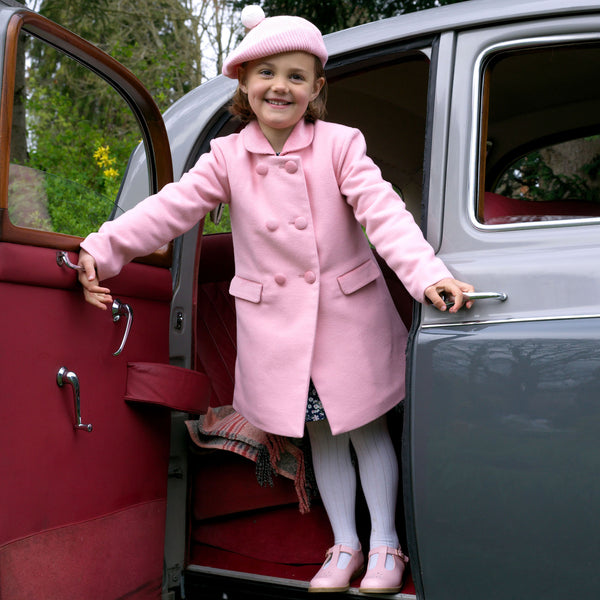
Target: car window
72,135
540,146
389,106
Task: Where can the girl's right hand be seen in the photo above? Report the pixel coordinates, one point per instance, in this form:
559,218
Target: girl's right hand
93,293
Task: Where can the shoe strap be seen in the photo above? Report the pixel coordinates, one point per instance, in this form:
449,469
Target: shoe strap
338,549
393,551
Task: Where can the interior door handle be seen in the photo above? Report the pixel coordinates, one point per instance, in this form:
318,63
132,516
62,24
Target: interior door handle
120,309
63,260
501,296
64,376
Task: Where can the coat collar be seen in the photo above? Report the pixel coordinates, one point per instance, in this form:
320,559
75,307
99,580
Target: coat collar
256,142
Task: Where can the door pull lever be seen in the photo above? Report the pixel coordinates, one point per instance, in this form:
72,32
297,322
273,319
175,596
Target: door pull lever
64,376
63,260
120,309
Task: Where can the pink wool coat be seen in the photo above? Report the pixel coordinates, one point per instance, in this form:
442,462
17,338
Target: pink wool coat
310,298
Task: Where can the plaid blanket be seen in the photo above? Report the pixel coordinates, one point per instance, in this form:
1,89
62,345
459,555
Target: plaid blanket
222,428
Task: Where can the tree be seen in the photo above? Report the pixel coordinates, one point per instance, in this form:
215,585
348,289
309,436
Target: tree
219,22
333,15
159,40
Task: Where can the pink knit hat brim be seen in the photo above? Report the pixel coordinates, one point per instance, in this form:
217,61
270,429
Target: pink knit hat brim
275,35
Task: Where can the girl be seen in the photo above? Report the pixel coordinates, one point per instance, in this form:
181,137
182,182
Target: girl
320,344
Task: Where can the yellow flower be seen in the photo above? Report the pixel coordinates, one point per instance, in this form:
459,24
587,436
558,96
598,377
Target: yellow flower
102,156
111,173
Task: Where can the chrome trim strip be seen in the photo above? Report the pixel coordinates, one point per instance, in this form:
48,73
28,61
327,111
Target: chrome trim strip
501,321
281,581
475,132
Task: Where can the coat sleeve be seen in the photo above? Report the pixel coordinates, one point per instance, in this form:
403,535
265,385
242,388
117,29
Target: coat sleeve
389,225
162,217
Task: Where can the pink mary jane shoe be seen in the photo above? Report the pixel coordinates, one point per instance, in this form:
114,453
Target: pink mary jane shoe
380,580
330,578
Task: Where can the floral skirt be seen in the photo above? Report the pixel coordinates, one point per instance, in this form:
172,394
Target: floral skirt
314,408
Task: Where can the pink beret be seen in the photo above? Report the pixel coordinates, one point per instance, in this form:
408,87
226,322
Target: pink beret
273,35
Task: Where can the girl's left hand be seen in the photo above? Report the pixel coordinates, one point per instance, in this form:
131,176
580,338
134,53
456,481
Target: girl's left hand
453,289
93,292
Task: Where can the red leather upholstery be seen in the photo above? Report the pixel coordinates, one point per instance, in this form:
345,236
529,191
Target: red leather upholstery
215,317
499,209
60,486
167,385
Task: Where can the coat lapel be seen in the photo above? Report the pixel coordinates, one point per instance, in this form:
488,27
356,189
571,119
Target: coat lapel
256,142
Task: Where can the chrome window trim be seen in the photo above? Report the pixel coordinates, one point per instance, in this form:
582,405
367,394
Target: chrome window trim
508,320
477,108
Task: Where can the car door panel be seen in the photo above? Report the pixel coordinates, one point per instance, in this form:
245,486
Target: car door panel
507,418
83,512
106,487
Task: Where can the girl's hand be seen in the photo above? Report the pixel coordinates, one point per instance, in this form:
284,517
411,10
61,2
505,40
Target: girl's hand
92,292
453,289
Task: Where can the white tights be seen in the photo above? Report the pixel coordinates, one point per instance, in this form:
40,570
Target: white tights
336,479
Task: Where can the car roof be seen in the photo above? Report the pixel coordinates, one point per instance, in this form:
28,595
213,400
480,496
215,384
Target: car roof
463,15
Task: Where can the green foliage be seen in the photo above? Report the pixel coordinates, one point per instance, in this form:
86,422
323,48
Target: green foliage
81,153
532,178
158,40
223,226
75,209
334,15
80,132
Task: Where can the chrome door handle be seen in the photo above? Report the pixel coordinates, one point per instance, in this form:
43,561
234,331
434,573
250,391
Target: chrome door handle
486,296
64,376
120,309
62,259
501,296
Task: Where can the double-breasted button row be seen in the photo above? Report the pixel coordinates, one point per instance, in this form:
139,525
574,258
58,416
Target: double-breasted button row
309,277
299,223
290,166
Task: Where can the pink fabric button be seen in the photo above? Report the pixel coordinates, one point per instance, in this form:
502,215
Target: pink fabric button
310,277
300,223
280,279
272,225
291,166
262,169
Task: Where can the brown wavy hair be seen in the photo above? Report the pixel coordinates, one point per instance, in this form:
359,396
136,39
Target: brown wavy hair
240,106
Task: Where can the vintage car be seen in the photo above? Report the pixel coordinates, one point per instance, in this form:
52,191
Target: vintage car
485,116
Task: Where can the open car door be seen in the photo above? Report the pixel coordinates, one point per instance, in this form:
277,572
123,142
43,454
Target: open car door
83,471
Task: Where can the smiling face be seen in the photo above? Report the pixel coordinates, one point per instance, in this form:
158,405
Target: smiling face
279,89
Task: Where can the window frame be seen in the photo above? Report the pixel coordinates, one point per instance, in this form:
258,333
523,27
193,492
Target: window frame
480,97
143,107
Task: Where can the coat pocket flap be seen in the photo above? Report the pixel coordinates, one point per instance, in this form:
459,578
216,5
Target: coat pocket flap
357,278
246,289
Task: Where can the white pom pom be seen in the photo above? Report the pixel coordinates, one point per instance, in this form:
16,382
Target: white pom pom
252,15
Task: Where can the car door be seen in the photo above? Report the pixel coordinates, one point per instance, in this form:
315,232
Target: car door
83,471
504,418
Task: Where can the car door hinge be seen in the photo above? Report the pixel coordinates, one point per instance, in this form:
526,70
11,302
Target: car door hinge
174,583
